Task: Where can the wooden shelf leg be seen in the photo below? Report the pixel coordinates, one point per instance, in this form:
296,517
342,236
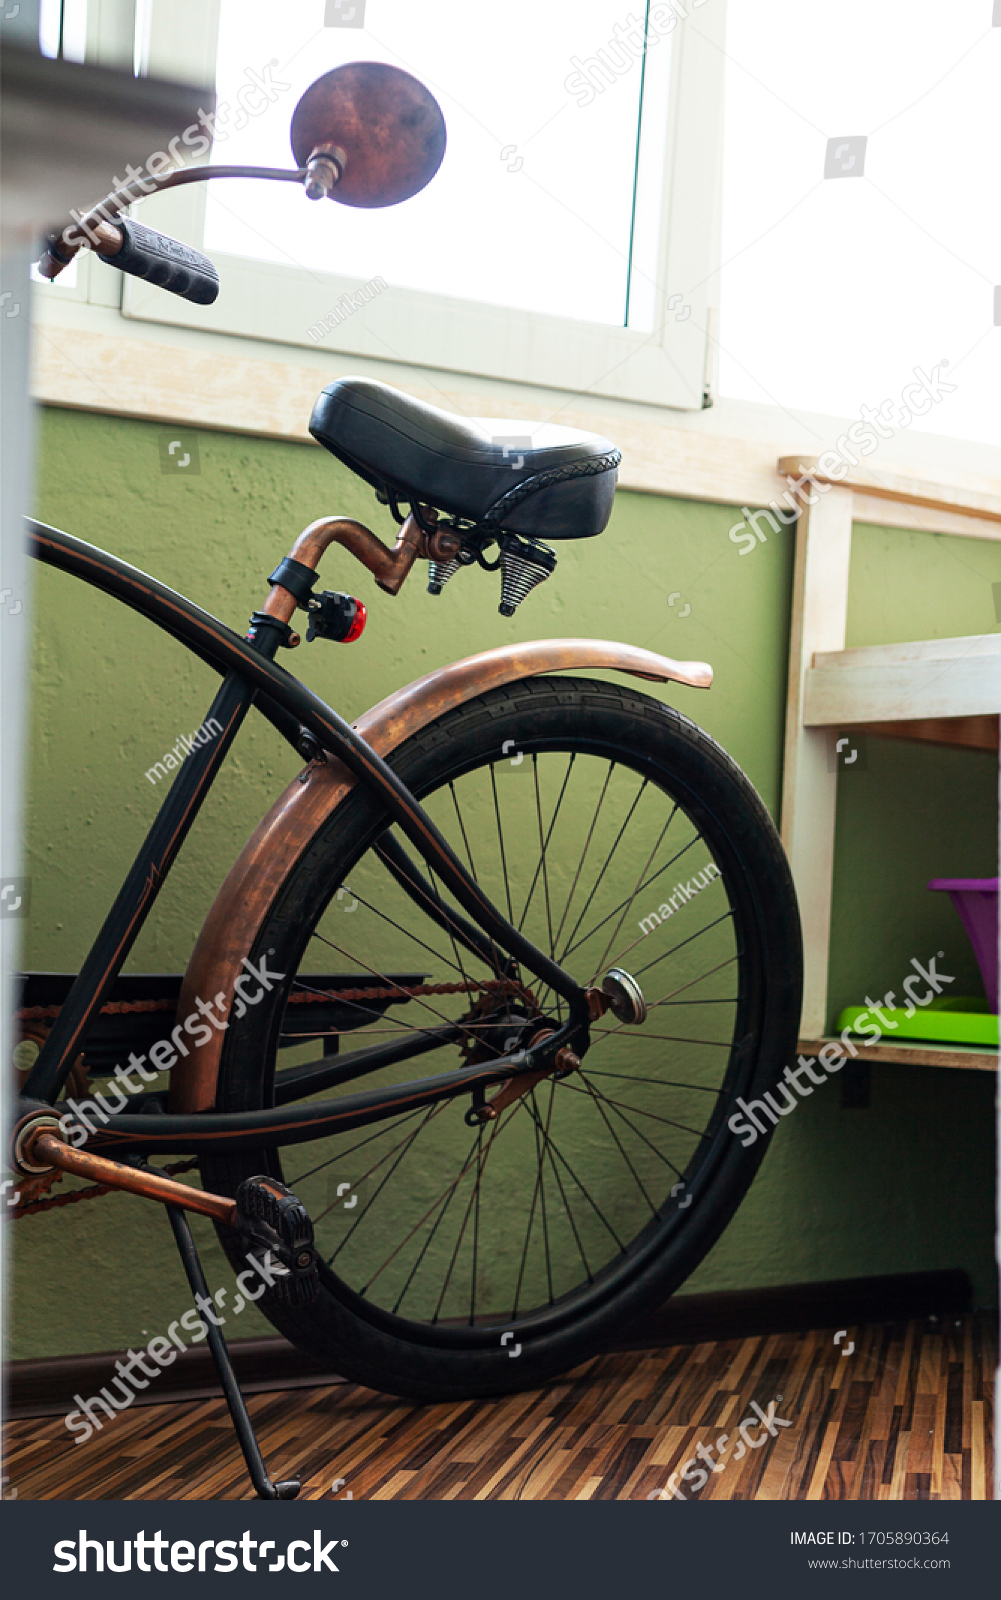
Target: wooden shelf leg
809,788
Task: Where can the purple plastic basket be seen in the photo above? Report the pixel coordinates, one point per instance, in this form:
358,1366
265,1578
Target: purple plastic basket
976,900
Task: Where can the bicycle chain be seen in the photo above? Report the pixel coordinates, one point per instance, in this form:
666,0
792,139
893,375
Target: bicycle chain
415,991
45,1181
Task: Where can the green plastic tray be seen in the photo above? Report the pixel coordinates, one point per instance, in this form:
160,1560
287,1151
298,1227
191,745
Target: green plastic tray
956,1019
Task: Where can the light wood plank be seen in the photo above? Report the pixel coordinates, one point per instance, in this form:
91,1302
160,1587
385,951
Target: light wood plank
853,687
963,1057
921,519
909,651
809,787
972,500
979,1473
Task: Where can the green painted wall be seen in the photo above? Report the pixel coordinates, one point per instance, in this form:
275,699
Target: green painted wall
841,1193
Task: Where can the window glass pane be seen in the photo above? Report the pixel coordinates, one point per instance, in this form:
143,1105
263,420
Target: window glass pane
62,28
834,289
533,205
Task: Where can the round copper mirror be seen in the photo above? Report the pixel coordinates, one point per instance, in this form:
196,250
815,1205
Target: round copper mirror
385,129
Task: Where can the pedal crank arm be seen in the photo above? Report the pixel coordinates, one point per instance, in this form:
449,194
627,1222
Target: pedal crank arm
43,1149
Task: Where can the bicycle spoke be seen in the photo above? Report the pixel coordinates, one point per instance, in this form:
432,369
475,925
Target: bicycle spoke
635,1077
500,840
372,1169
355,1005
342,1155
539,1189
544,845
455,947
476,1231
595,1099
496,960
607,863
462,830
452,1022
609,1033
552,1146
407,1144
399,928
639,1111
447,1194
534,1114
587,846
668,999
481,1162
690,940
715,1000
674,1038
639,1134
608,917
600,964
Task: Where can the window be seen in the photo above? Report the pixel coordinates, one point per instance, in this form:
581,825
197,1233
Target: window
567,239
62,29
834,291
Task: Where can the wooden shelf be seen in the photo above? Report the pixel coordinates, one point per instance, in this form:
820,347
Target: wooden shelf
927,680
943,691
905,1053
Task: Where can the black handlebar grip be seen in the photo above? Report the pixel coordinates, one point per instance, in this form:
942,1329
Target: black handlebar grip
165,262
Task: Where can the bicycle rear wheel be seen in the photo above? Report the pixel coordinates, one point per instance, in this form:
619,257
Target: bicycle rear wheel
616,833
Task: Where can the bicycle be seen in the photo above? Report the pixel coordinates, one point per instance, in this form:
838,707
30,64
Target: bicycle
495,855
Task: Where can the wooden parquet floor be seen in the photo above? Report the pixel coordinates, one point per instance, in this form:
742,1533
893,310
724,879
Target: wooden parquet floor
907,1415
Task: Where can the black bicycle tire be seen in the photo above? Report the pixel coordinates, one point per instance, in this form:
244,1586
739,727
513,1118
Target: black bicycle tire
346,1334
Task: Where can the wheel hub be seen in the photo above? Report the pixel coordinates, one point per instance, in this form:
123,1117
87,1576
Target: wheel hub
622,996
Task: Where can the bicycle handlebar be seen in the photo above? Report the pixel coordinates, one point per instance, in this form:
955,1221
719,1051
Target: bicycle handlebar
144,252
365,133
176,267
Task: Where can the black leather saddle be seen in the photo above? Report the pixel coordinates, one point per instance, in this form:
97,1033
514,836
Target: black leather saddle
536,479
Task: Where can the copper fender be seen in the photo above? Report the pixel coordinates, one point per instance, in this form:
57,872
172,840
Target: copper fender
244,900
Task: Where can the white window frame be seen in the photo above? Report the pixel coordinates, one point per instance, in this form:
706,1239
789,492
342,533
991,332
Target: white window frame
111,27
277,304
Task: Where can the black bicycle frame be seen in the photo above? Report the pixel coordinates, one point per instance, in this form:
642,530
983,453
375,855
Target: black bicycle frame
248,676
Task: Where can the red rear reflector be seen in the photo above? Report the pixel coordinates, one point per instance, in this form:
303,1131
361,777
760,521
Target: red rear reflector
357,627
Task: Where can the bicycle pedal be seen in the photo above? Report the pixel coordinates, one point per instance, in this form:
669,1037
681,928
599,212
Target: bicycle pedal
270,1215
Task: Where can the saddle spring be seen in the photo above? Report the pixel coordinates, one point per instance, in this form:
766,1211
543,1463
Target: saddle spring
439,573
524,565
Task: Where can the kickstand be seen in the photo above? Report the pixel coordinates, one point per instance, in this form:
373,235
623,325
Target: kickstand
266,1490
